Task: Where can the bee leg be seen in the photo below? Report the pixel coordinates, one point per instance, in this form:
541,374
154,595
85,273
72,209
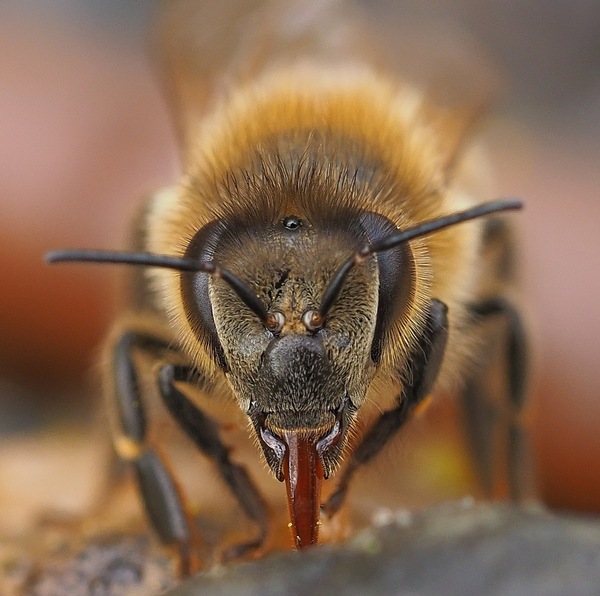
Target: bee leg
424,368
202,430
483,416
162,499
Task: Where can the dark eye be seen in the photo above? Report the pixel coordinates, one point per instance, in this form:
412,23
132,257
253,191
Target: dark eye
394,278
292,222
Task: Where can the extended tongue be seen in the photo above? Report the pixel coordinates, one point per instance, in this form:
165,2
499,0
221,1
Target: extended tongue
303,475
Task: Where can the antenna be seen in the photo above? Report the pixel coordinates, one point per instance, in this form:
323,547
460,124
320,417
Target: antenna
423,229
177,263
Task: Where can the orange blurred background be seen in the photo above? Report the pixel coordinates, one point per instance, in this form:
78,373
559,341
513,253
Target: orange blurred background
84,133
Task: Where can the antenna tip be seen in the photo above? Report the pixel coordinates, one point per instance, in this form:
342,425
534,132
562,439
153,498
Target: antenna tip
52,256
513,203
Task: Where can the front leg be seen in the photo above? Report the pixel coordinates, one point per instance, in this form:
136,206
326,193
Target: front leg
424,369
203,432
160,494
163,501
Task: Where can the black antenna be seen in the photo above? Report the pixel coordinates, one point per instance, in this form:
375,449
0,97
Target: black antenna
428,227
151,260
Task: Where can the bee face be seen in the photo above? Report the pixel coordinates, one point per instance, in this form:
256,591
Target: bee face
298,375
295,222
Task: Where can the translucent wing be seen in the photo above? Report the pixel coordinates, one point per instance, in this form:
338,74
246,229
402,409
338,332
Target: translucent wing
207,47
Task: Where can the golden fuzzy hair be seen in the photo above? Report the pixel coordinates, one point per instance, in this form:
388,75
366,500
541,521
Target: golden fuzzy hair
389,123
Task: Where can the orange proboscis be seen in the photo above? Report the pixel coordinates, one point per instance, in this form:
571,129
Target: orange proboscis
303,474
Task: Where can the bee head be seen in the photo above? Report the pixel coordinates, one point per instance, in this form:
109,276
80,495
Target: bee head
300,356
298,371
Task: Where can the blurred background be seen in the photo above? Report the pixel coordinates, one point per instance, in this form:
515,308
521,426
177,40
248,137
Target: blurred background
84,133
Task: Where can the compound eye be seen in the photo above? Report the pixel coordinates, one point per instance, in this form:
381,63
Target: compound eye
313,320
275,321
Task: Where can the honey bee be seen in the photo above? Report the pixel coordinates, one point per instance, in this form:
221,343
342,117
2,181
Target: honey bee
314,256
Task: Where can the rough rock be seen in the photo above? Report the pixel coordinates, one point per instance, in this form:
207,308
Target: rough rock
454,549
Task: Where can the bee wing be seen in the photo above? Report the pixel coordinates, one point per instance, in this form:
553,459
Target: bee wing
452,69
208,48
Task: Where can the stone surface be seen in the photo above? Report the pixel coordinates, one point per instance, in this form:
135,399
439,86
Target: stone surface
458,548
454,549
105,567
